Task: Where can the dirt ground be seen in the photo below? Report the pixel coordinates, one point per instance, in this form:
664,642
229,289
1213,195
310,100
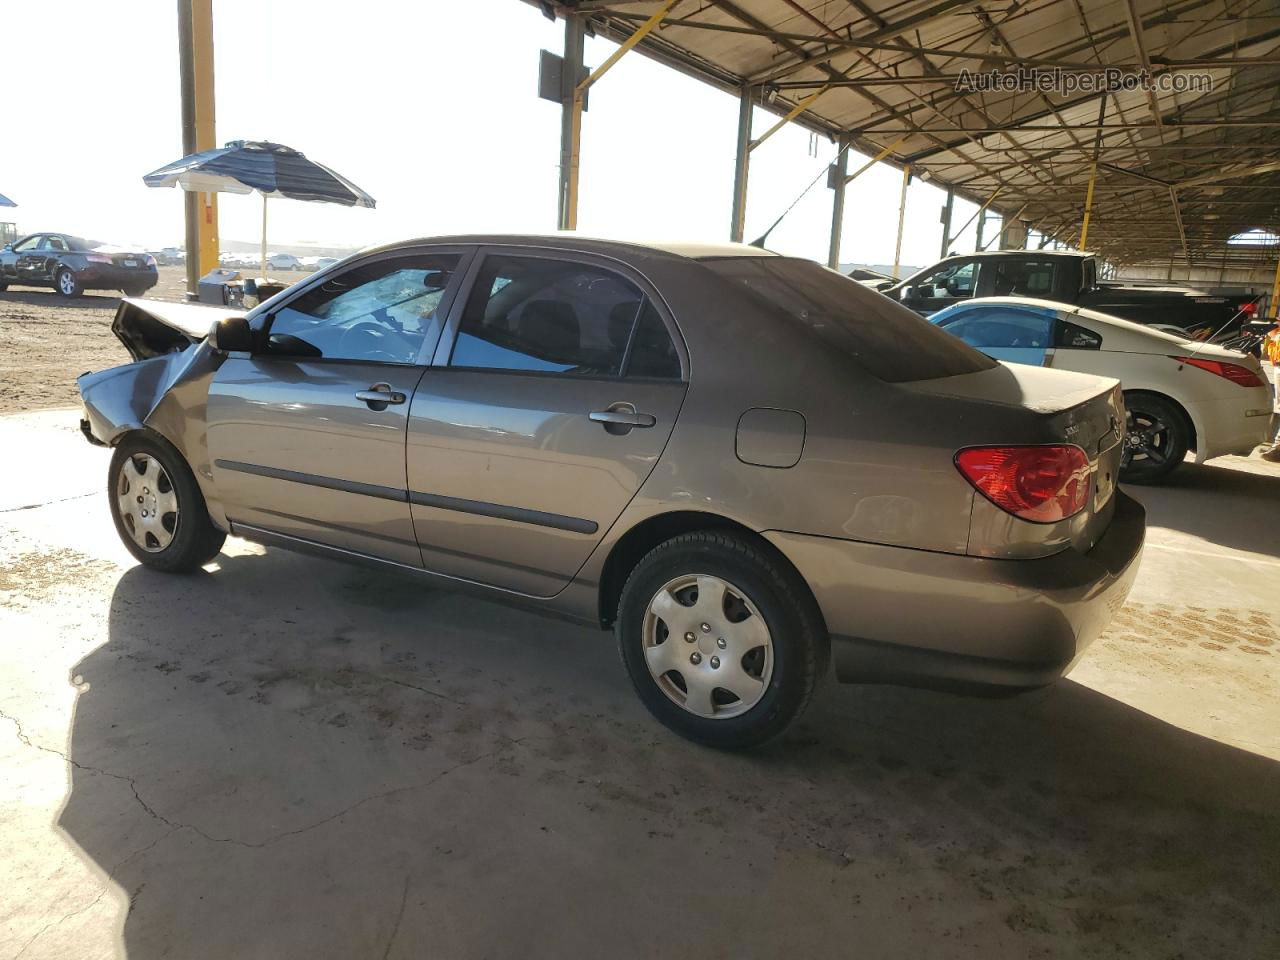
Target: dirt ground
48,341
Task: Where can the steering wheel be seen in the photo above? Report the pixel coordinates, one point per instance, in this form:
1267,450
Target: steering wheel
372,341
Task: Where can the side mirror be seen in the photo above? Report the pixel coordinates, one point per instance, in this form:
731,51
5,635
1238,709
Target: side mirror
233,335
8,247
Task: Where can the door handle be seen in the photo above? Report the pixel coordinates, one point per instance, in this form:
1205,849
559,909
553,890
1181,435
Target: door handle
623,418
379,396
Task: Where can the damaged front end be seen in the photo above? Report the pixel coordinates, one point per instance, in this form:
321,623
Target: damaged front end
166,388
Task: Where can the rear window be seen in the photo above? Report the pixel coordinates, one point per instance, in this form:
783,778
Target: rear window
880,335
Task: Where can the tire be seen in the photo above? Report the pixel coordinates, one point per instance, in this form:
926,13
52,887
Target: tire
135,291
3,286
1156,438
775,679
147,477
68,284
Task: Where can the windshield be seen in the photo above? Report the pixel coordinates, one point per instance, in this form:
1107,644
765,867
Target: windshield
880,335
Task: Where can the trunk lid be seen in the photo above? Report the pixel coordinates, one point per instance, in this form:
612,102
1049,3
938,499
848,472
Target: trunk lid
1016,404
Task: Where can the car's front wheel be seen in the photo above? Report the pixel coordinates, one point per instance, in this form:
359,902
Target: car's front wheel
722,640
157,507
1156,439
68,284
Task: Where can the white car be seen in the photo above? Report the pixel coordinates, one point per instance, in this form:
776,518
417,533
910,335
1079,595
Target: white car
283,261
1181,394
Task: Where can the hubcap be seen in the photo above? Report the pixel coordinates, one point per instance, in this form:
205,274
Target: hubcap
1146,439
707,646
148,503
68,282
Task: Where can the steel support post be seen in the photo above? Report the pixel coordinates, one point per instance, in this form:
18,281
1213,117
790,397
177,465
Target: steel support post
570,70
902,215
741,165
837,177
195,61
946,221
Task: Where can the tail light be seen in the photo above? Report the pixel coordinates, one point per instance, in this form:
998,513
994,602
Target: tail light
149,260
97,258
1042,484
1230,371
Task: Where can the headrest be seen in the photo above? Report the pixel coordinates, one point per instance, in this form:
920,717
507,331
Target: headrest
553,325
622,318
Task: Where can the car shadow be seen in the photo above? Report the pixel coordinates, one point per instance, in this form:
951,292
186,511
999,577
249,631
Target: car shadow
35,297
290,757
1232,508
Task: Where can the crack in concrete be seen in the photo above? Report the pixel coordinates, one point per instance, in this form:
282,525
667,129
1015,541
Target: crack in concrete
250,844
57,923
47,503
395,930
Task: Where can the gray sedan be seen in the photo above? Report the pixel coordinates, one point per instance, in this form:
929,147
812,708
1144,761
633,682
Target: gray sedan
746,465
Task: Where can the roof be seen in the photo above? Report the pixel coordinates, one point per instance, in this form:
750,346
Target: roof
1179,172
566,240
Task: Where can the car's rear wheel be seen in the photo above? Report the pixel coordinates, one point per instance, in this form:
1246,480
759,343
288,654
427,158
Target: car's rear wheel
67,284
721,638
1156,439
134,291
157,507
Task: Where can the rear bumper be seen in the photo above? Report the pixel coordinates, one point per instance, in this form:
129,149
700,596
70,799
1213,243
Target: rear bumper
1222,428
938,620
101,276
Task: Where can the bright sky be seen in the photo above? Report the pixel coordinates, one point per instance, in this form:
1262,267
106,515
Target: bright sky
430,107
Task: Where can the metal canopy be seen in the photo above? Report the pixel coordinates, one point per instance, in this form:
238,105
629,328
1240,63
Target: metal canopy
1178,173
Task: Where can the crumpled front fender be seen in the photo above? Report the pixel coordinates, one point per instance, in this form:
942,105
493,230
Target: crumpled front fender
169,395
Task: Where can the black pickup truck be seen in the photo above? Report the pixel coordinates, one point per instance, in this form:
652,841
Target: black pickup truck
1065,278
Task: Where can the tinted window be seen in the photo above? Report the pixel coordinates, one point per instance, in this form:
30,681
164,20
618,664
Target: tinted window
652,352
384,311
882,336
1001,327
28,244
547,316
1074,336
1015,277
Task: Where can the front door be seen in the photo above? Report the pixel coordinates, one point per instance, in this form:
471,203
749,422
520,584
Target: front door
545,413
307,434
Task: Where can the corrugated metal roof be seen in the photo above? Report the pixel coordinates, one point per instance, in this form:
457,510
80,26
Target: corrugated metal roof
1172,163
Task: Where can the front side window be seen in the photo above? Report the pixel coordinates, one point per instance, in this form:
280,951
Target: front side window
28,244
879,334
1001,327
383,311
955,280
540,315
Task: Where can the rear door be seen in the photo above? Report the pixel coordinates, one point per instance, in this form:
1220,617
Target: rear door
307,434
552,397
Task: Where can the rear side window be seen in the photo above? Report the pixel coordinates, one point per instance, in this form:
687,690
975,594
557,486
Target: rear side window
1016,277
1075,337
880,335
554,316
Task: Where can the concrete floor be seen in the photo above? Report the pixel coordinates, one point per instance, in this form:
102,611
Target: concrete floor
286,757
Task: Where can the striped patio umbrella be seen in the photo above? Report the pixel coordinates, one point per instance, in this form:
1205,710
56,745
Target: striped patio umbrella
257,166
